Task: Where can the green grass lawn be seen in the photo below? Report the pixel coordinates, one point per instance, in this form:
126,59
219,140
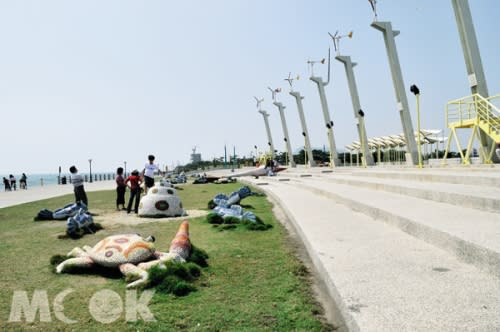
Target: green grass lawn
254,280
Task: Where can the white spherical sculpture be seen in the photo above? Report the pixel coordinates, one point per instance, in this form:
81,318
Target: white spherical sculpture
161,201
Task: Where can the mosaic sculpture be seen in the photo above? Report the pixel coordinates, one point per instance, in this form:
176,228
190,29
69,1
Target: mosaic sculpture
80,224
234,198
131,253
161,201
235,211
69,210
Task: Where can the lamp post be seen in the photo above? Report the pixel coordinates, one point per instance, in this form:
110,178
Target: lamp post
234,158
398,82
265,115
256,155
334,161
125,163
90,166
415,90
367,158
281,108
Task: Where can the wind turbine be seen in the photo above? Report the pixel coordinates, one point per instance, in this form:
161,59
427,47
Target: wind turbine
373,3
311,64
259,102
336,40
290,80
274,92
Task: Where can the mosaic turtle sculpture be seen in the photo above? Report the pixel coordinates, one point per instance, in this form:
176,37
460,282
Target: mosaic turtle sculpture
131,253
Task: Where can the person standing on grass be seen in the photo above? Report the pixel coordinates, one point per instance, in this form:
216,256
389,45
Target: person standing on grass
149,173
120,189
77,180
134,183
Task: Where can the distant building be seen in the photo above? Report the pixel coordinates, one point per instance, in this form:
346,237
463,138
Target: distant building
196,158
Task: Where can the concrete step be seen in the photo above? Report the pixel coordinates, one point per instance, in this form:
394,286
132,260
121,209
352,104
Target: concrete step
383,279
472,236
481,197
491,178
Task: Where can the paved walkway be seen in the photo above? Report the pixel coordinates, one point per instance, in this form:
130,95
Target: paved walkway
10,198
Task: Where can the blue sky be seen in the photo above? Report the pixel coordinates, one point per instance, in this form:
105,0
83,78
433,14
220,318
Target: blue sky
117,80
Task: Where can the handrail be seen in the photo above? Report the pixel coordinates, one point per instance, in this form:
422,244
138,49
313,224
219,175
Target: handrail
474,107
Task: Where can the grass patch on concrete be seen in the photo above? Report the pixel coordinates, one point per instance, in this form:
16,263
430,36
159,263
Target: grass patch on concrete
254,280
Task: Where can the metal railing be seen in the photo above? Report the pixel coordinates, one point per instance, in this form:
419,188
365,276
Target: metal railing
475,109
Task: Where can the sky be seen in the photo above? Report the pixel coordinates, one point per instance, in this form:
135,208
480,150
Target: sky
117,80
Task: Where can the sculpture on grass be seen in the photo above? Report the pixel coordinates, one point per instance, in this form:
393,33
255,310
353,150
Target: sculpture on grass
80,224
132,254
234,198
161,201
69,210
226,211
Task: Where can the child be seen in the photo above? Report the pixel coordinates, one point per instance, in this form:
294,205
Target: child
120,189
135,190
77,180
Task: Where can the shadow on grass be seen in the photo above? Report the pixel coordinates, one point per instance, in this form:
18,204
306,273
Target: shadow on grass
112,273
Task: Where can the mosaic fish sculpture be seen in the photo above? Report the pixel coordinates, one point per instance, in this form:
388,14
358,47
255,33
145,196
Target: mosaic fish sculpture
131,253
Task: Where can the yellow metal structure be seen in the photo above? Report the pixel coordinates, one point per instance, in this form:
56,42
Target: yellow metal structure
479,114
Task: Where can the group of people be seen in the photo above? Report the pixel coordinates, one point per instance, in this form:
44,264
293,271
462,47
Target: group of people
10,183
133,182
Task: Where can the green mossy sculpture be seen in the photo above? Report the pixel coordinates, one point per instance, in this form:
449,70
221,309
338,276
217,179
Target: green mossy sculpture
230,222
214,218
211,204
176,286
259,225
174,277
198,256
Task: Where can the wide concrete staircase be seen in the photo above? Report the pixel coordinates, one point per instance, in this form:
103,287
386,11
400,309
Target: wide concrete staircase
400,249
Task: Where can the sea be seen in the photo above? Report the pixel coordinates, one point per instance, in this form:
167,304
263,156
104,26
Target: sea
47,179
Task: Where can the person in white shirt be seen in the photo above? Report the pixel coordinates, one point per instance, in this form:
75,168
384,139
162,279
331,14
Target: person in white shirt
149,172
77,181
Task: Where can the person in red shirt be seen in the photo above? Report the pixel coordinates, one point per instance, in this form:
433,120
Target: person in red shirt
134,183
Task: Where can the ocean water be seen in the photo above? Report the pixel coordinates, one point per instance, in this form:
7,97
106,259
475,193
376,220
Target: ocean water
48,179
